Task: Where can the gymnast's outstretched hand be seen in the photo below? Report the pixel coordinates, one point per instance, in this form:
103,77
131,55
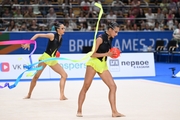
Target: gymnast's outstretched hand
25,46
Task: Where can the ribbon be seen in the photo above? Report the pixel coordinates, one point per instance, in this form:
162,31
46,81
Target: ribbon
15,42
18,79
31,68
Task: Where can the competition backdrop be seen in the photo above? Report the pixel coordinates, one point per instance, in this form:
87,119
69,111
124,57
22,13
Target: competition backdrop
74,41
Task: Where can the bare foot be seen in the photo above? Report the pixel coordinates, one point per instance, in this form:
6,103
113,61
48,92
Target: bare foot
27,97
117,115
63,98
79,115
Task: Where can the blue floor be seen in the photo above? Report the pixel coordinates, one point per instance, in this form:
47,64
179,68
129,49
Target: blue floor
164,74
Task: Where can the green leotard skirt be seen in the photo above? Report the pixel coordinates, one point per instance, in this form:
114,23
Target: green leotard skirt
46,56
99,66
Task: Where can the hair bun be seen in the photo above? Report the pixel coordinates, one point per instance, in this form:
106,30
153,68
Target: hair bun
55,24
113,24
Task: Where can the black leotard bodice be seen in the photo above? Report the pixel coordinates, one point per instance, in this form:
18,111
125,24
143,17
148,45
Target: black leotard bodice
54,45
105,45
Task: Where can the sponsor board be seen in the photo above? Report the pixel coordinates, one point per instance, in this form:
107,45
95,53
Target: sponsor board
127,65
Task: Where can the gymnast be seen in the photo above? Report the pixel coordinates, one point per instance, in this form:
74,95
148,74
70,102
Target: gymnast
97,64
54,43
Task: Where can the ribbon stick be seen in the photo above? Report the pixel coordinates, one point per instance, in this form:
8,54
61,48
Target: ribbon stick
31,67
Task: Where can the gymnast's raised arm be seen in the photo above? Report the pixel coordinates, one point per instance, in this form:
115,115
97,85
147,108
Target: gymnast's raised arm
50,36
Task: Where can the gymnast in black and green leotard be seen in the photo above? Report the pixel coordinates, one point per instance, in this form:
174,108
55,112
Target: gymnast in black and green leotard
97,64
54,43
52,47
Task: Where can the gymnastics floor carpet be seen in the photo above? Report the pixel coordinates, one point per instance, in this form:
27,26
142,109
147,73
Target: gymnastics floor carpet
148,98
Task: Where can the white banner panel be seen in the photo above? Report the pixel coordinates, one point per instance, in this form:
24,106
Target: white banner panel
132,65
127,65
73,69
11,66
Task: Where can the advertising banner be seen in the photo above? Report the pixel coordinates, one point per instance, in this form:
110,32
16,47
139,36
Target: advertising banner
127,65
11,66
132,65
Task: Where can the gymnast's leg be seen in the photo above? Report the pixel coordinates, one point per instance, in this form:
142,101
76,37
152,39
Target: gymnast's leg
34,80
108,80
58,69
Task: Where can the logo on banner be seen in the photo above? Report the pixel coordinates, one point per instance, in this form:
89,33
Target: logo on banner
4,67
114,65
136,64
73,66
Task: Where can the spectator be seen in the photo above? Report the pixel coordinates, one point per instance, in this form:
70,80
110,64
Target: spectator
68,27
81,18
131,17
140,17
67,18
33,26
15,4
157,27
16,27
29,15
111,16
117,6
66,6
147,27
160,17
73,22
44,10
164,6
18,17
176,36
84,27
172,6
135,27
176,23
85,5
71,13
35,7
23,27
150,18
135,6
128,26
120,18
94,8
10,26
51,17
6,17
92,16
142,27
170,20
100,27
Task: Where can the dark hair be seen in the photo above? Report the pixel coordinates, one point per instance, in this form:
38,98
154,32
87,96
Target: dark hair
112,25
56,25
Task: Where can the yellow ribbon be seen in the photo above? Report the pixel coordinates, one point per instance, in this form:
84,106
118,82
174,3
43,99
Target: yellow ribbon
89,53
94,41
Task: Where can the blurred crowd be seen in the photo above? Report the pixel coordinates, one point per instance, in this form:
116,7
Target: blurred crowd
81,15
